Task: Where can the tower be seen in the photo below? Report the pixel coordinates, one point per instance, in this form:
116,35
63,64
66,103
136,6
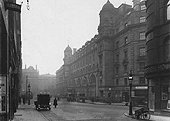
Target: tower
107,19
67,55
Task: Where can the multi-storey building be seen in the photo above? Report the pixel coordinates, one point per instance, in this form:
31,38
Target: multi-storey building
101,67
30,77
121,49
46,84
10,57
158,53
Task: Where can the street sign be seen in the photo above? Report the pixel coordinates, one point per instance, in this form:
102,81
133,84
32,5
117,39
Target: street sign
141,87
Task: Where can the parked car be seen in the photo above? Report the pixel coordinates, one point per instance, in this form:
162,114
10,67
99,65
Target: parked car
43,102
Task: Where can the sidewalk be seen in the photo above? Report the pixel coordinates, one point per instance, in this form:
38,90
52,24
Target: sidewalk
27,113
155,116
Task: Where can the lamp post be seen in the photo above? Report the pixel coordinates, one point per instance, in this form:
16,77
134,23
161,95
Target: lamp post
29,86
110,102
26,84
130,84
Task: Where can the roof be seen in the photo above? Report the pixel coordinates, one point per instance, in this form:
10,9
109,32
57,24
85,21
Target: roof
108,6
68,48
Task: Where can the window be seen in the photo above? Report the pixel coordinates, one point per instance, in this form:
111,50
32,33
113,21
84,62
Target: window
141,80
125,67
142,51
117,44
167,48
117,57
168,10
143,7
142,19
117,81
125,53
125,81
126,24
142,36
141,66
126,40
117,70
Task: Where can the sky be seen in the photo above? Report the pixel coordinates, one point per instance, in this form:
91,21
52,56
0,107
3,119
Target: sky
51,25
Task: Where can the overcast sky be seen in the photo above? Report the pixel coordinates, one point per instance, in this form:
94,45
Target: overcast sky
51,25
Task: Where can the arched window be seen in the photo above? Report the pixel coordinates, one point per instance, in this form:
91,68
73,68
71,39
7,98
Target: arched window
168,10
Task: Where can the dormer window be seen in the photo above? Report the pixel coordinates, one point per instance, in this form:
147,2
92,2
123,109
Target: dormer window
168,10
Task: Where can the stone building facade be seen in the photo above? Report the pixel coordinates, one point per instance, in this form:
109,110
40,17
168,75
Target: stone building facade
30,76
44,83
158,53
100,68
10,58
121,49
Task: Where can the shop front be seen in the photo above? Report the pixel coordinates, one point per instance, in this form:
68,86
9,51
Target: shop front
159,94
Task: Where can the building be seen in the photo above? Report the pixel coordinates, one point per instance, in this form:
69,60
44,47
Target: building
10,57
60,82
121,49
100,68
158,53
46,84
30,77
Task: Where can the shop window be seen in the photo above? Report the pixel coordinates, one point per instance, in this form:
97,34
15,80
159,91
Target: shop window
164,92
168,10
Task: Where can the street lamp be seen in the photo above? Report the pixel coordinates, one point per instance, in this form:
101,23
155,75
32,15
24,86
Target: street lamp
130,84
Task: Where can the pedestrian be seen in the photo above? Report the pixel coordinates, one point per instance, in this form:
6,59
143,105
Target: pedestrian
55,102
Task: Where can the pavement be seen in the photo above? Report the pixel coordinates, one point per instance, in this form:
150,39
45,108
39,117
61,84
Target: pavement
28,113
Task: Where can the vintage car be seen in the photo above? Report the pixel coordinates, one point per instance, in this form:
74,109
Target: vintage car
43,102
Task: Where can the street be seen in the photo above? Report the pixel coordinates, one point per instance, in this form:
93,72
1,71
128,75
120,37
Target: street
76,111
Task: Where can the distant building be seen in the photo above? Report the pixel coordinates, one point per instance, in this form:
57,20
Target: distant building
100,68
47,84
30,76
158,53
